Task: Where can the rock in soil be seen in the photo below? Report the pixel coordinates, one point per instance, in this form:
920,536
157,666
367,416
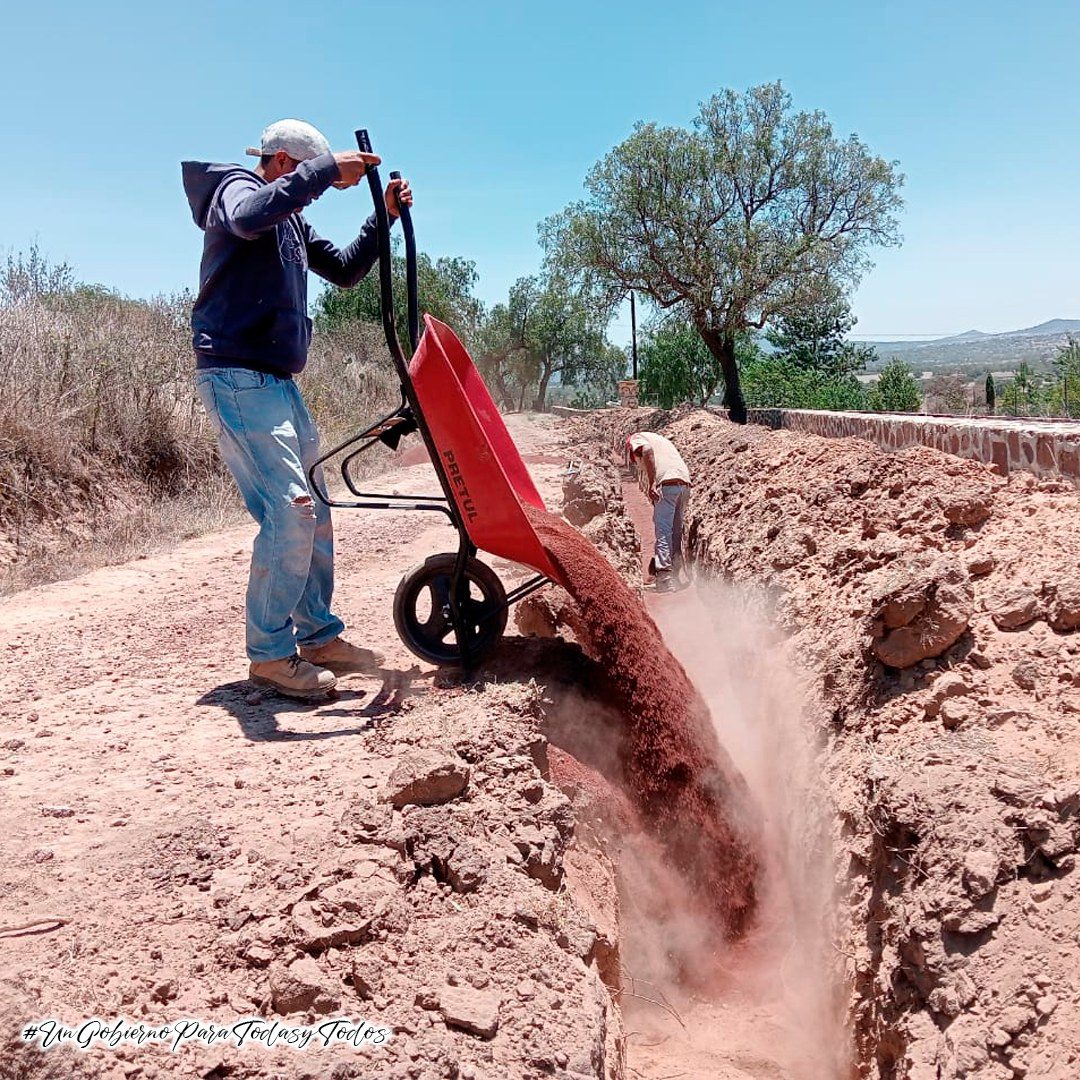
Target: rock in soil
426,778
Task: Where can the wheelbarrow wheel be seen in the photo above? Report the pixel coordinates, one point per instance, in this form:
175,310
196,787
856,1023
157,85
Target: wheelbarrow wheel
422,610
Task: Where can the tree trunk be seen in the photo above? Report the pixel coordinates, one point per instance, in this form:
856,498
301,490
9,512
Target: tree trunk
722,346
540,404
502,392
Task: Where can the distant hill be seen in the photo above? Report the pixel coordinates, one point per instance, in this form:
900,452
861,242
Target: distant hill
975,350
1051,326
968,335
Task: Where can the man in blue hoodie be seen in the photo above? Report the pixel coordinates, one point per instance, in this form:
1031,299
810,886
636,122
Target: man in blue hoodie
251,334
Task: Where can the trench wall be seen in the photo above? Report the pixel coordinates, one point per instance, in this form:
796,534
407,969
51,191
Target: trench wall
1049,449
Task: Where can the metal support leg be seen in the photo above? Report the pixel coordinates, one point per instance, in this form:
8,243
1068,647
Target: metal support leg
459,589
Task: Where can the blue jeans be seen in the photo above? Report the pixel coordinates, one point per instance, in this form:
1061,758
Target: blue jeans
668,524
269,442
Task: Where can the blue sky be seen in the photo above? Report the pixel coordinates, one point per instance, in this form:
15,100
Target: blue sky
496,110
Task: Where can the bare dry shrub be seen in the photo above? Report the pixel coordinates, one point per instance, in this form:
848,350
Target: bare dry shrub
349,379
102,437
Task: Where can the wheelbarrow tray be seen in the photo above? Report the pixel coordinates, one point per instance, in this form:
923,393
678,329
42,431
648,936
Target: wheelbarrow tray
487,477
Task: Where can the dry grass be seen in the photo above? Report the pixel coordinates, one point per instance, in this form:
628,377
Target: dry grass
105,537
104,448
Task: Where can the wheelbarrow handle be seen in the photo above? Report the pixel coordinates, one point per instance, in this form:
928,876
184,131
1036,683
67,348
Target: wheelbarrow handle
412,287
386,279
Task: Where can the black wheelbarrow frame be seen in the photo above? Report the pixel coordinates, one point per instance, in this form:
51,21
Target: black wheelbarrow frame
477,625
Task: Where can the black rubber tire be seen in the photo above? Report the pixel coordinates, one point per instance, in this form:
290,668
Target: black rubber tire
434,639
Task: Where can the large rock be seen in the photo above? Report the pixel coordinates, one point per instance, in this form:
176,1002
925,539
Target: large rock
538,615
345,910
919,613
1013,606
365,822
371,885
302,987
967,507
1063,610
950,685
474,1011
980,872
541,853
585,495
427,777
467,868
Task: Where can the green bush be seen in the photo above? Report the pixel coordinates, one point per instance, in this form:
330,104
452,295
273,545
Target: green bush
771,383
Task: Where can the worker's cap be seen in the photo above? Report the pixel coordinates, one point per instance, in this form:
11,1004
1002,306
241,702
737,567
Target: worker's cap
297,138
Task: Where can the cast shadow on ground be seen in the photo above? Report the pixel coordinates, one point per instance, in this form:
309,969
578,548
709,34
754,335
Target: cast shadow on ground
257,710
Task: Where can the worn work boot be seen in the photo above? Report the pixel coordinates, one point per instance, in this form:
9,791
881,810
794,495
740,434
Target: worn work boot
665,581
294,677
339,656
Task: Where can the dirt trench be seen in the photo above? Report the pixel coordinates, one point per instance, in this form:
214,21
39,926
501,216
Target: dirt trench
418,853
930,609
439,859
696,1004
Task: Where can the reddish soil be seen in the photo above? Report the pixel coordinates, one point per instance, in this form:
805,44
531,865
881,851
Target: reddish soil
677,774
543,459
934,610
639,511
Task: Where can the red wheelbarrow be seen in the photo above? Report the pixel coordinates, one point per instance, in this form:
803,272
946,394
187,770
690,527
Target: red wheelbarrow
452,610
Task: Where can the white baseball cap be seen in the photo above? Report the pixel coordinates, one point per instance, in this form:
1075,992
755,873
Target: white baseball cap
297,138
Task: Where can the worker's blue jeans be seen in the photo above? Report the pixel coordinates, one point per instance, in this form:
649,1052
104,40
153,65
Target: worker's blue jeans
668,524
269,442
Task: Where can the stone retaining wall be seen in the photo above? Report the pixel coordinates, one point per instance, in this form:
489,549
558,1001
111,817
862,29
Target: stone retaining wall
1048,449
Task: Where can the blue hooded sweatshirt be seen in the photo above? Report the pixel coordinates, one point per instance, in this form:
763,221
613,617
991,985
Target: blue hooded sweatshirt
251,310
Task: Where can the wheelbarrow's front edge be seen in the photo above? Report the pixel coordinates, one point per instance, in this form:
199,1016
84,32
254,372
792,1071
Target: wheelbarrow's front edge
488,479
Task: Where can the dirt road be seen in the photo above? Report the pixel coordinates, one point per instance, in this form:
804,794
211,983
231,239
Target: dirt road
177,845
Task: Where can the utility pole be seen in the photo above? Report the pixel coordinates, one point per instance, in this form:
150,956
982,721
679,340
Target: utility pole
633,331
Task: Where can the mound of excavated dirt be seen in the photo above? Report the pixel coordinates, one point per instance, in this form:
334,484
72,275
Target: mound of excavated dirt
431,905
935,605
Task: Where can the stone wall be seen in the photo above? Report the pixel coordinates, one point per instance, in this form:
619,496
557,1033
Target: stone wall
1048,449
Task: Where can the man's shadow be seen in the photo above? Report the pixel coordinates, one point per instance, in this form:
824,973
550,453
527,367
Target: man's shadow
257,709
563,668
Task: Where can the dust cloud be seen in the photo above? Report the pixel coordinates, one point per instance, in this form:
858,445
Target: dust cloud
776,1001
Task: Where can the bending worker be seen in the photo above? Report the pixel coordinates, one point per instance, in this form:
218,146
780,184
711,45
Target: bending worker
665,478
251,333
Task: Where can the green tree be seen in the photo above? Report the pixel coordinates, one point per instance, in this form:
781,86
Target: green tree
897,389
1063,398
445,288
1022,395
948,394
990,393
771,383
600,384
500,355
815,338
549,329
755,214
675,365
